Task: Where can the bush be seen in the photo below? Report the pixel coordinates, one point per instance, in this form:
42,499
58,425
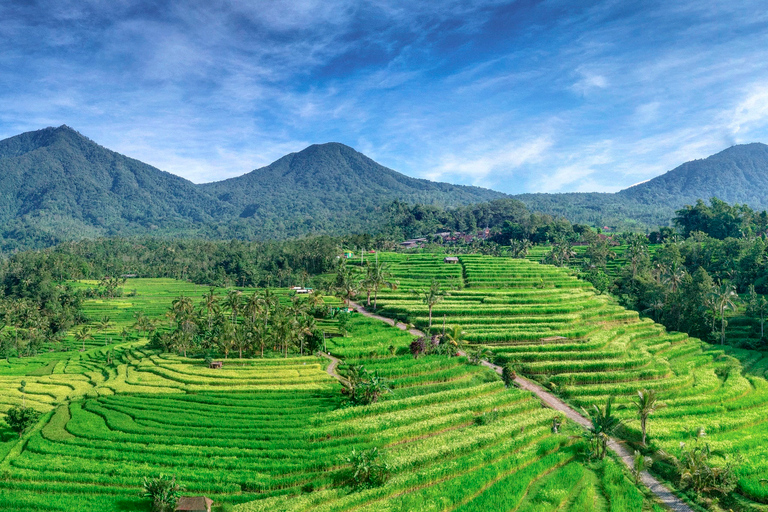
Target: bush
508,374
368,468
164,492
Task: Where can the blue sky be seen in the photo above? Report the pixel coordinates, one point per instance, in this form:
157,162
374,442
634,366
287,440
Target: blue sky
525,96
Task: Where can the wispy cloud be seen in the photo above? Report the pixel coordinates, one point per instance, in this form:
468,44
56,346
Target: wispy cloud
549,96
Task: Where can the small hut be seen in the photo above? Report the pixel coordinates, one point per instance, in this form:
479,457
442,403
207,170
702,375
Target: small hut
216,365
194,504
451,259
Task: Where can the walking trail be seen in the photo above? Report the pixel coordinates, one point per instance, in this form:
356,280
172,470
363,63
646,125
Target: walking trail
660,490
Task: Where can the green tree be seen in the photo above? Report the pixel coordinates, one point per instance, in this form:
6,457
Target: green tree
83,335
725,300
646,403
603,425
757,308
378,276
431,296
20,418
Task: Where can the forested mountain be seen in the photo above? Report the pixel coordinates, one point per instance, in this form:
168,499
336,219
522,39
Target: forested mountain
57,185
738,174
328,185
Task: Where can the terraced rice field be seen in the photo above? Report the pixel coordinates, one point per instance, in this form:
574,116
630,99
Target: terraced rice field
554,328
272,434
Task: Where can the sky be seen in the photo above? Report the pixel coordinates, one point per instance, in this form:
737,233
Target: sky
525,96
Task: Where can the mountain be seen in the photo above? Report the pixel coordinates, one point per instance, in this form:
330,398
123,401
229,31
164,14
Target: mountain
328,185
738,174
56,185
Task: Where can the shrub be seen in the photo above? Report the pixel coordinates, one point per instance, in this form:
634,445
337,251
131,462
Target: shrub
508,374
164,492
368,468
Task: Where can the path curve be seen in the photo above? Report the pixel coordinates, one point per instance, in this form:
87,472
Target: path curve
331,370
666,496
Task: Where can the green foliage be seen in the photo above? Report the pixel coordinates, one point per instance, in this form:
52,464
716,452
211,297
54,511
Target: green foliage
508,374
164,492
368,468
21,418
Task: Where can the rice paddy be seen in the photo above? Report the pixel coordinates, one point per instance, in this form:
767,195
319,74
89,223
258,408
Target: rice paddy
272,434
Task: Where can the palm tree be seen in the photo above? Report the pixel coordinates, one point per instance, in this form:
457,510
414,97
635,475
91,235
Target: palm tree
757,307
182,306
379,276
82,335
211,306
726,297
432,296
233,302
674,277
604,424
105,323
646,403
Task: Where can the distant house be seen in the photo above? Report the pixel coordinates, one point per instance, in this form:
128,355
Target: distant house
451,259
216,364
413,243
303,290
129,276
348,255
194,504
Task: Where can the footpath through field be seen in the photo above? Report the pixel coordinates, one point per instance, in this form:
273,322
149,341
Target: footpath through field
660,490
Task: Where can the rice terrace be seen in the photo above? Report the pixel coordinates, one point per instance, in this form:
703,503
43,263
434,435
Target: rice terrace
383,256
445,433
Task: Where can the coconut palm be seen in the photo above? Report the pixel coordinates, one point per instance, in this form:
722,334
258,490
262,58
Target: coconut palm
432,296
646,403
379,276
211,306
725,300
83,335
234,302
604,424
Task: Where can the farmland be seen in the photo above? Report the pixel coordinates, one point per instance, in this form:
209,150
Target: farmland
553,328
272,434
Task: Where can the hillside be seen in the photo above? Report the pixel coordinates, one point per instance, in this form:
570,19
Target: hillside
738,174
57,185
328,184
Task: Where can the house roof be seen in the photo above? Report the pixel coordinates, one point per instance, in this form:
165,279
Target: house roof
194,503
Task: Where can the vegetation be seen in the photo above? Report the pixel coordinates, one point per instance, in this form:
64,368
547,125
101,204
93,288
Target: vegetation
164,492
21,418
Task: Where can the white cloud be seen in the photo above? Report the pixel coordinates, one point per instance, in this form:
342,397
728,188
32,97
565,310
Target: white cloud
752,111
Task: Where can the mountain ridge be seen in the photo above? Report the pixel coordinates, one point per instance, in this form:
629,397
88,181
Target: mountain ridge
57,184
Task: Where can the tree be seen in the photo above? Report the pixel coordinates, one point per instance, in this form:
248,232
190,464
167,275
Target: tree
233,302
757,308
432,296
604,424
378,276
83,335
363,387
20,418
725,300
646,403
164,492
211,306
640,464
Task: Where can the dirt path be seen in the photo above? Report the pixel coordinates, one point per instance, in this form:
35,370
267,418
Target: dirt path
331,370
666,496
